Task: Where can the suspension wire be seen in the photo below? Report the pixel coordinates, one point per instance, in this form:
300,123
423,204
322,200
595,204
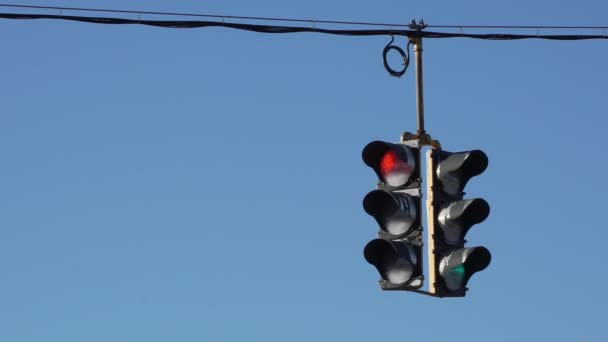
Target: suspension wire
291,29
176,14
336,22
523,27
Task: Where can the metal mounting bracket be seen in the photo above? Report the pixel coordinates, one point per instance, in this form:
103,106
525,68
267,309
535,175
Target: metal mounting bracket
424,139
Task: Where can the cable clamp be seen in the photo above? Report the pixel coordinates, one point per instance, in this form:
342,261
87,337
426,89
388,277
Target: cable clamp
417,26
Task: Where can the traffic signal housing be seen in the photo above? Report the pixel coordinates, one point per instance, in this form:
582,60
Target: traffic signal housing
450,217
396,207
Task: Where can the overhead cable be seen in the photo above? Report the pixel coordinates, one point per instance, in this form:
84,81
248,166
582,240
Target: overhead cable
215,16
313,21
294,29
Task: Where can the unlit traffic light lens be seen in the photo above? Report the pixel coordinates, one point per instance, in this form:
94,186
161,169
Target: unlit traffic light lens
457,218
394,260
456,169
395,213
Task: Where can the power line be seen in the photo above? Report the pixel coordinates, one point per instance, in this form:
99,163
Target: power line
294,29
336,22
204,24
216,16
525,27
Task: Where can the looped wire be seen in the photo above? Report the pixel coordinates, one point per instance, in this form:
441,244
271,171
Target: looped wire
404,56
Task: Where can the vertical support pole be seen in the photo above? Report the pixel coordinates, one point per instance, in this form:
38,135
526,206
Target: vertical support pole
430,221
419,88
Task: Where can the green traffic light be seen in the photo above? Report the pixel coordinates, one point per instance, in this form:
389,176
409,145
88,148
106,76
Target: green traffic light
458,267
459,270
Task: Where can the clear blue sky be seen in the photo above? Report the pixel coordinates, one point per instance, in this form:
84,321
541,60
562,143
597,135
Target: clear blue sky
206,185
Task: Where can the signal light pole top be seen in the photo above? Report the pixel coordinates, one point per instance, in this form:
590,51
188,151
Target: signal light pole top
421,135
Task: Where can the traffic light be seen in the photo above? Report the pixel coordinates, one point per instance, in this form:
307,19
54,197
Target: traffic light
396,207
450,216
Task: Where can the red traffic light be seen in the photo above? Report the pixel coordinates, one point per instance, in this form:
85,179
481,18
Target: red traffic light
393,163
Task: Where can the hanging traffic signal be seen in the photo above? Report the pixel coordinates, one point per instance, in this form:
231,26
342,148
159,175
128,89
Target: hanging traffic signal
450,216
396,207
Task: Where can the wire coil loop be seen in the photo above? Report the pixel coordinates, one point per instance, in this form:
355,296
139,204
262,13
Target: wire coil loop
405,56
